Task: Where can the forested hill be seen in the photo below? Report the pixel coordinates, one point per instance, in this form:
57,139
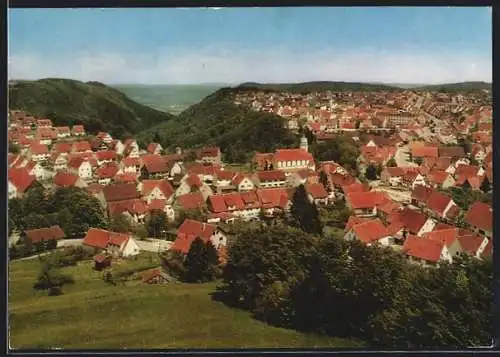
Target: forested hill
456,87
308,87
93,104
216,120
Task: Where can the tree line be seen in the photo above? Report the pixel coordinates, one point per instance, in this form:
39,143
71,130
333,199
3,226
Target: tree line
327,285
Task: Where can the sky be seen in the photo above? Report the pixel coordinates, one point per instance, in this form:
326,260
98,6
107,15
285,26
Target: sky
233,45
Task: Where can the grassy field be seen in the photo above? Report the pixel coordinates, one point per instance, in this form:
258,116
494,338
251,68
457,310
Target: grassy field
93,314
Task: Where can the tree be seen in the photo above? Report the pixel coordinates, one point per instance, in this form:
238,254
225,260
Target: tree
48,279
14,148
35,199
371,172
392,162
379,169
323,179
120,223
485,185
201,262
304,214
156,223
419,160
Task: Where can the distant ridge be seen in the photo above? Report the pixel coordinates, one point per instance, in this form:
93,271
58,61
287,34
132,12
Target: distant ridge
318,86
456,87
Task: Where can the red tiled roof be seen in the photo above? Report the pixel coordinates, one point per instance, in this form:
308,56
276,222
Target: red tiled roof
152,147
273,197
422,248
189,231
438,202
131,161
126,178
354,220
224,175
292,155
118,238
274,175
438,177
133,206
62,147
370,231
480,215
447,236
395,171
107,171
45,234
210,152
20,178
360,200
120,192
97,238
65,179
424,151
105,155
81,146
164,186
157,204
412,220
193,181
94,188
467,170
37,149
191,200
354,187
317,190
421,193
155,163
470,243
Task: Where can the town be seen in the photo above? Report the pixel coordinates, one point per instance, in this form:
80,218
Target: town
422,157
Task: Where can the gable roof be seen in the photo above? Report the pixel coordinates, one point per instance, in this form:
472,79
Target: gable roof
471,243
480,215
316,190
412,220
20,178
370,199
191,200
451,151
65,179
438,202
274,175
424,151
447,236
370,231
189,231
120,191
421,248
132,206
100,238
292,155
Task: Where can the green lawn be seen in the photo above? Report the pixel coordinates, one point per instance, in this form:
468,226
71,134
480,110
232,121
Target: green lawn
93,314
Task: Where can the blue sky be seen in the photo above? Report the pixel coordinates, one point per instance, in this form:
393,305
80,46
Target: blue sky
232,45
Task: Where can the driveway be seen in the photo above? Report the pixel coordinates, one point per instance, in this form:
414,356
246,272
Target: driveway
70,242
395,195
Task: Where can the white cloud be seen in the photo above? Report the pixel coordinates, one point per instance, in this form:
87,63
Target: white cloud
236,66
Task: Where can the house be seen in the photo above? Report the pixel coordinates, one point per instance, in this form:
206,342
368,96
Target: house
134,210
440,179
62,148
414,222
211,155
116,244
424,151
118,146
53,233
38,170
245,204
442,206
131,148
206,172
78,130
425,252
190,229
38,152
412,179
447,236
66,179
154,166
419,195
392,175
105,137
154,148
480,218
369,232
81,167
105,157
242,182
269,179
364,204
453,152
302,177
19,180
156,190
63,132
130,165
316,193
274,201
106,174
192,183
118,192
474,245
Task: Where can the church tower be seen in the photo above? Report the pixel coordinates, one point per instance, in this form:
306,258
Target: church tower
303,143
